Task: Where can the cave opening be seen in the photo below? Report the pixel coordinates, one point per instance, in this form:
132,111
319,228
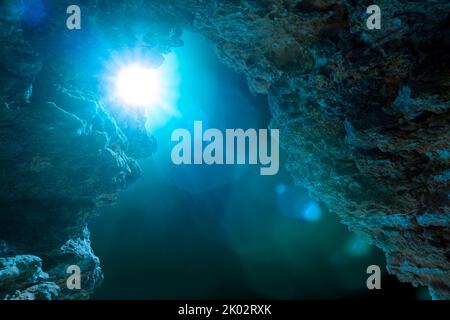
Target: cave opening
223,231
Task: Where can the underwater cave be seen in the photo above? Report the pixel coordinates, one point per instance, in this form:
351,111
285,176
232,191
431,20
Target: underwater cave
88,180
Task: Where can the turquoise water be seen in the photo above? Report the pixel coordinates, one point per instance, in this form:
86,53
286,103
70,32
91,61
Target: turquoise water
225,231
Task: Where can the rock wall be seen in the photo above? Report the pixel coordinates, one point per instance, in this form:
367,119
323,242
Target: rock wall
364,118
63,155
364,115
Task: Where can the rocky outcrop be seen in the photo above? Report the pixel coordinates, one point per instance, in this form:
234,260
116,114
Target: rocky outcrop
364,118
63,155
16,275
364,115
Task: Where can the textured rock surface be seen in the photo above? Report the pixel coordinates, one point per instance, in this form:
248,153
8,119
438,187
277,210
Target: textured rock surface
63,155
364,117
22,278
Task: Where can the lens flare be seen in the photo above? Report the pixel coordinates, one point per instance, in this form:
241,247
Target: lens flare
312,212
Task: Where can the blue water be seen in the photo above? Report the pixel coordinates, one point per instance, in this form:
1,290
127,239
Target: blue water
222,231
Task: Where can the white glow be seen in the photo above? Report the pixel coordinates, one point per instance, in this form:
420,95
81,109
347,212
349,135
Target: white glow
138,86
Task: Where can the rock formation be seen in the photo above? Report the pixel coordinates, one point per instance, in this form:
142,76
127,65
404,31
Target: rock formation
363,115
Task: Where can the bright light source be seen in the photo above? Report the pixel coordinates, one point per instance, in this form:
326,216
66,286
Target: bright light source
138,86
